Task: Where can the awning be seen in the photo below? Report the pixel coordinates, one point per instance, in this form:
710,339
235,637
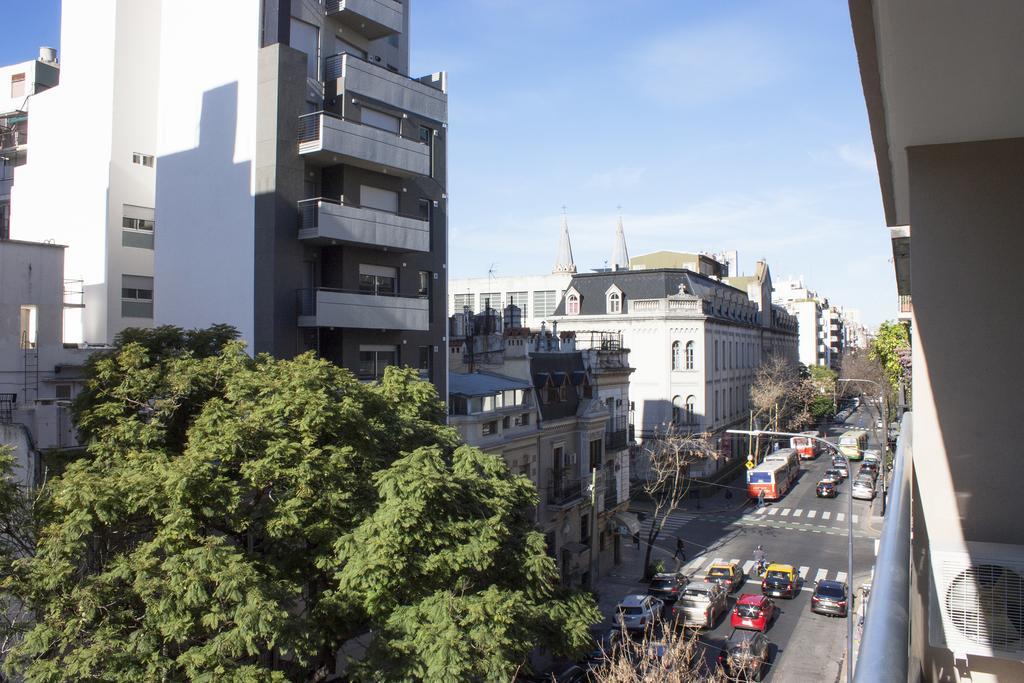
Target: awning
626,523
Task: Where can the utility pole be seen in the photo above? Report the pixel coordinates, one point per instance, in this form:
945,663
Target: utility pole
593,524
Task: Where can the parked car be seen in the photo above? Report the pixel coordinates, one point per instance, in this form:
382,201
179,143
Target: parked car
753,611
666,586
728,575
604,645
826,489
699,605
638,612
843,468
745,654
863,489
830,597
868,469
780,580
834,475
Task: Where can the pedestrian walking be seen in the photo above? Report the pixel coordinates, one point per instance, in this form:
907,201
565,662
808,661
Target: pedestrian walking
760,498
680,549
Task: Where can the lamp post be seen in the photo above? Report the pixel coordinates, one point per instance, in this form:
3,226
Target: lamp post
884,410
849,532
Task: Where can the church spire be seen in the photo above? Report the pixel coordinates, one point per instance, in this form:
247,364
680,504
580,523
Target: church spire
620,256
564,262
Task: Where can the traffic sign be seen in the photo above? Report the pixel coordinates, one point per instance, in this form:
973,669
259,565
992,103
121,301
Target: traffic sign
750,465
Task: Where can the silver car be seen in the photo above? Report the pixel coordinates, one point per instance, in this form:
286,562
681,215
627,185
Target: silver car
863,489
638,612
699,605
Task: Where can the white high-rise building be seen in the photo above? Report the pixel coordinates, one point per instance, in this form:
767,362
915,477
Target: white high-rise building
90,180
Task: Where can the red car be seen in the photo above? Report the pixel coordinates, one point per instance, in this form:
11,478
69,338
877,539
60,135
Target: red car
753,612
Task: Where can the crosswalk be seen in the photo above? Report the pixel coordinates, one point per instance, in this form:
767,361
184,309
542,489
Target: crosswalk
794,516
700,565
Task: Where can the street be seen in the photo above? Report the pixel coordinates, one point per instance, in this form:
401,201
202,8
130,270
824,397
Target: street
800,529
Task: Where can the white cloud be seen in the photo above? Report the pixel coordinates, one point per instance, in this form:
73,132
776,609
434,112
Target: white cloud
858,157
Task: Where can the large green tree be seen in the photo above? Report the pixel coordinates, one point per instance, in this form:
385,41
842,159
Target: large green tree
889,348
240,519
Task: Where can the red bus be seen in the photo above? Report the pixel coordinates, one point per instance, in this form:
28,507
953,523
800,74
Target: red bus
806,447
773,477
788,456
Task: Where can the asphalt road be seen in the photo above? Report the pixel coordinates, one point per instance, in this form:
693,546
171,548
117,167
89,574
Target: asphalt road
800,529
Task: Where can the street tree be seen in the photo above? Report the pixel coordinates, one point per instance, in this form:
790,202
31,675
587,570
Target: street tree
889,348
823,391
673,656
240,519
780,396
665,474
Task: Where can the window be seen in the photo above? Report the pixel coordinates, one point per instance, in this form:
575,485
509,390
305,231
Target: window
572,304
544,303
506,422
676,356
489,428
596,453
518,299
63,392
373,360
17,85
138,224
490,300
426,135
142,159
585,529
426,361
378,119
615,303
379,280
306,38
29,335
523,420
463,301
715,417
689,355
5,221
716,354
378,198
688,415
425,209
423,289
677,409
136,296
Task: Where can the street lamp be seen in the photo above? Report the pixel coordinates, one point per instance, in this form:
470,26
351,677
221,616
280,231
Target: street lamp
849,531
884,410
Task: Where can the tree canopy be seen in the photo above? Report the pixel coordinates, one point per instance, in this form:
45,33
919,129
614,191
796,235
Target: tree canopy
889,348
240,519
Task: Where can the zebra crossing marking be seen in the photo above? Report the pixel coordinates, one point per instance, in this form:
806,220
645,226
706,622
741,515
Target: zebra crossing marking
694,565
760,511
856,519
840,516
803,571
840,576
747,566
826,515
773,511
811,514
877,541
821,575
785,512
798,512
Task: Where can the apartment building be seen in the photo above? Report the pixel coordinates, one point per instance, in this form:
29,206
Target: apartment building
698,341
945,101
90,178
301,184
558,415
820,324
19,83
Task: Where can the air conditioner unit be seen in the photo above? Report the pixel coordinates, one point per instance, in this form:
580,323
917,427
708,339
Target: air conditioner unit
977,599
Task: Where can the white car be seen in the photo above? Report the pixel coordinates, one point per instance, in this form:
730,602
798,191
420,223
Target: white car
863,490
637,612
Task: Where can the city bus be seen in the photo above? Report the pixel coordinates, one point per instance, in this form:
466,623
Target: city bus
772,477
853,443
806,447
788,456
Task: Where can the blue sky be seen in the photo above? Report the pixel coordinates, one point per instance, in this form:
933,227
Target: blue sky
715,125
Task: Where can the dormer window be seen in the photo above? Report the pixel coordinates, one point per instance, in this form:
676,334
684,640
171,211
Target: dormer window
613,300
572,304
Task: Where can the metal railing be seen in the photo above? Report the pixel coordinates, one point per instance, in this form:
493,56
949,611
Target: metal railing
616,439
332,6
562,492
311,127
885,647
7,403
306,298
309,211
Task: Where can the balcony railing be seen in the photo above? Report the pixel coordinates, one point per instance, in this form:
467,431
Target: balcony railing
611,491
885,647
564,492
352,77
324,220
616,440
332,138
326,307
375,18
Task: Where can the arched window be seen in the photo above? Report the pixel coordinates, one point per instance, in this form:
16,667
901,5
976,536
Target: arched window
614,303
689,355
572,304
677,410
677,360
688,415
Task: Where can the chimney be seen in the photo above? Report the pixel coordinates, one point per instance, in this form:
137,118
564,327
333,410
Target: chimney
48,55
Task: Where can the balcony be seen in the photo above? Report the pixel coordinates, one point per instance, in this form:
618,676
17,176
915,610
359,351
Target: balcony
353,309
354,76
329,139
372,18
565,493
616,440
325,222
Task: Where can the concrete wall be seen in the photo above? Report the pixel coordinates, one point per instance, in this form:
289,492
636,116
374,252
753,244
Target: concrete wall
966,205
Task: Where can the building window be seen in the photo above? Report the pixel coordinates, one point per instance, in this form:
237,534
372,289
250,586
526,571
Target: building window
518,299
423,289
716,354
373,360
378,198
506,422
676,356
140,224
136,296
689,355
615,303
572,304
425,206
17,85
688,410
142,159
29,333
137,224
523,420
489,428
462,302
715,417
544,303
426,135
426,361
489,300
596,453
62,392
306,38
5,221
677,409
379,280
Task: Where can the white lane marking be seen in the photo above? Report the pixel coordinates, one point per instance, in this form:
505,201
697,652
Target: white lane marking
735,562
840,516
811,514
747,566
821,575
877,541
826,514
840,576
717,560
797,512
773,511
785,512
856,519
694,565
760,511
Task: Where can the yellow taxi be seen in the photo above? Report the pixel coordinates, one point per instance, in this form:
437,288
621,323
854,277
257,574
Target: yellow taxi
780,580
728,575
